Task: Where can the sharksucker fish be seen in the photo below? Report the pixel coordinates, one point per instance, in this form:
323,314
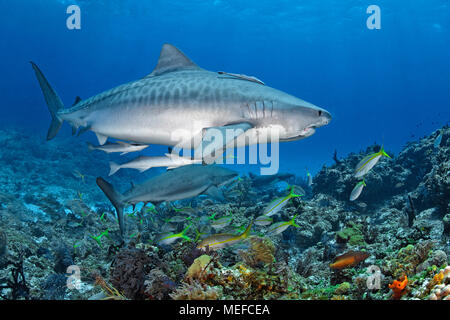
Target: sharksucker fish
180,183
144,163
180,101
120,146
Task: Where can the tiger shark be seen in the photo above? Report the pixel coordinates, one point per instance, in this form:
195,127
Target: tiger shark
179,102
180,183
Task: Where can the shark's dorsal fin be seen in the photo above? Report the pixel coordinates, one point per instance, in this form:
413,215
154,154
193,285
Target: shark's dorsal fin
77,99
172,59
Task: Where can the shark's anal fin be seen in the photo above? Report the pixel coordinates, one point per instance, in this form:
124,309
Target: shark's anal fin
216,140
101,138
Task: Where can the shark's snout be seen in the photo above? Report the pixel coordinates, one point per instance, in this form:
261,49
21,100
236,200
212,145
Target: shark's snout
327,117
324,118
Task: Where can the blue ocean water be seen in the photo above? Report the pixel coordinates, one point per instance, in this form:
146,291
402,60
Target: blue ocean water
384,86
387,86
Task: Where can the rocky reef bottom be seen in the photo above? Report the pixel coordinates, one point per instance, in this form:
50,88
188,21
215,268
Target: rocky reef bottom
59,238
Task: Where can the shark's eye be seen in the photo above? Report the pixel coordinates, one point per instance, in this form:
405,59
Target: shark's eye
320,113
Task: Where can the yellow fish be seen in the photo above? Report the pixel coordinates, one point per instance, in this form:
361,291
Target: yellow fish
357,190
368,162
276,205
222,240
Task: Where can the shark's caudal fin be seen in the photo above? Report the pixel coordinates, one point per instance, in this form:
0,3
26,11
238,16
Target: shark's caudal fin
116,200
54,103
114,167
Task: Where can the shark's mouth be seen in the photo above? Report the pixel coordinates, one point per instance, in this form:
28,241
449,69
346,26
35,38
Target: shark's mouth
307,132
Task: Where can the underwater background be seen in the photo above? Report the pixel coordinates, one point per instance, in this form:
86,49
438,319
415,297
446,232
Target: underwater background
383,87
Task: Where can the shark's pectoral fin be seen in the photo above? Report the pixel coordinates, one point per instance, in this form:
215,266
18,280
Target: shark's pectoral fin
74,130
101,138
215,193
216,140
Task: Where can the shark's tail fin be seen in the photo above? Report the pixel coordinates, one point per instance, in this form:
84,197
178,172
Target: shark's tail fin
54,103
114,167
116,200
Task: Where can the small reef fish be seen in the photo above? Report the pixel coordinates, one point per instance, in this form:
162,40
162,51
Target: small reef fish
356,192
177,219
168,227
368,162
297,189
234,193
309,181
398,288
349,259
222,240
169,238
184,210
144,163
437,142
222,222
78,174
199,235
263,181
279,227
276,205
263,220
120,146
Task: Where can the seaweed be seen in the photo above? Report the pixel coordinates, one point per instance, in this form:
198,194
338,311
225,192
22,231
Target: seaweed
17,283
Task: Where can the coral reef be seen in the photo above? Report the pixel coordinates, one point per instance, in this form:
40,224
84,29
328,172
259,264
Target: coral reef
195,291
261,251
128,272
3,242
54,217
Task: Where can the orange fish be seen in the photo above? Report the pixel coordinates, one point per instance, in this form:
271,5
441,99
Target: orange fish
349,259
398,288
